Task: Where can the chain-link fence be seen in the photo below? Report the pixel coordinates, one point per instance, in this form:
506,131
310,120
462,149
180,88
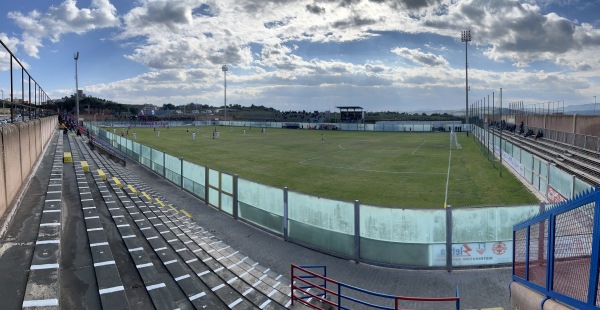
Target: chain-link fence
556,252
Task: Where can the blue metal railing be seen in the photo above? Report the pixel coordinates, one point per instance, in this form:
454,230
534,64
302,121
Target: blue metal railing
556,253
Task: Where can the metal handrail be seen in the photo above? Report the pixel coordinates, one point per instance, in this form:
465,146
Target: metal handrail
322,297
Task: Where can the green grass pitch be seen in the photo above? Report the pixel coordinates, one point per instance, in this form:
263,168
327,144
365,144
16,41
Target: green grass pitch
378,168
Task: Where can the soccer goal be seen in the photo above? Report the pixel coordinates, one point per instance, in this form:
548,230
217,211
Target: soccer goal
453,137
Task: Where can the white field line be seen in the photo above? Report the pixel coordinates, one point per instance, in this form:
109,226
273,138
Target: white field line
378,171
413,153
306,160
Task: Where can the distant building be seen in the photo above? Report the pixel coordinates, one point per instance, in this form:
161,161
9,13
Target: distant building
148,109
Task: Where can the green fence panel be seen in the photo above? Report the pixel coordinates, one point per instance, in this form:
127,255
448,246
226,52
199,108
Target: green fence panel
489,223
322,223
561,182
261,205
400,236
194,179
173,169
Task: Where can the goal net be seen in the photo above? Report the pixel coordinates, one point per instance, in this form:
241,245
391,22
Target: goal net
453,137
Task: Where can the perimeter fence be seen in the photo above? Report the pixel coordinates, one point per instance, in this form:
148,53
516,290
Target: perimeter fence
395,126
557,253
550,181
24,99
419,238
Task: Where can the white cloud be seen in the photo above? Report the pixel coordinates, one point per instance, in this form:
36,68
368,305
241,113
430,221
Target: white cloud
11,43
183,44
421,58
63,19
516,31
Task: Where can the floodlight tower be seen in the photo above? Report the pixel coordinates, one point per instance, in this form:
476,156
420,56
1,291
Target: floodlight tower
465,36
76,89
225,69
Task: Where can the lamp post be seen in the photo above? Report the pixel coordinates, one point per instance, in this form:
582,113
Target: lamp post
594,104
465,36
225,69
3,98
76,89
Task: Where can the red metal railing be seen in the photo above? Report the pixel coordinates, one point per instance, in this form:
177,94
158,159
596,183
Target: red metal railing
303,283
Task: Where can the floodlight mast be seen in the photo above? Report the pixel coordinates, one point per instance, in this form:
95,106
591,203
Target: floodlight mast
465,36
76,89
225,69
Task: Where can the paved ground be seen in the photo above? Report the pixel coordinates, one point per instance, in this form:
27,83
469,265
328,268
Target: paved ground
479,288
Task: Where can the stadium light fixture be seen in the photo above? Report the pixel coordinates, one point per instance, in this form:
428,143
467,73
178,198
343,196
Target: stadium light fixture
225,69
465,36
76,89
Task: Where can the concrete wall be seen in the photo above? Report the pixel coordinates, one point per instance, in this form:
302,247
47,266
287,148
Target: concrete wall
571,123
25,144
524,298
3,198
21,145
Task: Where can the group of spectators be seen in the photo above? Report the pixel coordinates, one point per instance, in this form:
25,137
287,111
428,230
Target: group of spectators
67,122
513,128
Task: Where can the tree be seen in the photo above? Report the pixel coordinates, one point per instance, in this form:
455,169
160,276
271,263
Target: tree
168,106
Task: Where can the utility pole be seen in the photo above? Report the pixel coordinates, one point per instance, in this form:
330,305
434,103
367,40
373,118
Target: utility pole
225,69
76,89
466,37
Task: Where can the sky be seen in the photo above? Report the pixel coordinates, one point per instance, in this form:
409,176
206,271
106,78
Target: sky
315,55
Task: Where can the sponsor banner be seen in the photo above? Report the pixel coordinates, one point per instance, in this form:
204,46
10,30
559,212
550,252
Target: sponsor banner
472,254
554,196
512,162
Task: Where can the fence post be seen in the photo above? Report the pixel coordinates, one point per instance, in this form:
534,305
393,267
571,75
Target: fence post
164,168
235,196
549,253
593,284
181,172
356,231
206,184
541,235
449,238
285,213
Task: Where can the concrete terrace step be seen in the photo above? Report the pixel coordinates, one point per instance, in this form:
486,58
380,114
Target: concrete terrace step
223,260
161,290
42,286
177,248
217,247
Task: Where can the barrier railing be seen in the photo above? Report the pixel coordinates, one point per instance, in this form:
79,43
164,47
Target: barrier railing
557,252
342,300
22,100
